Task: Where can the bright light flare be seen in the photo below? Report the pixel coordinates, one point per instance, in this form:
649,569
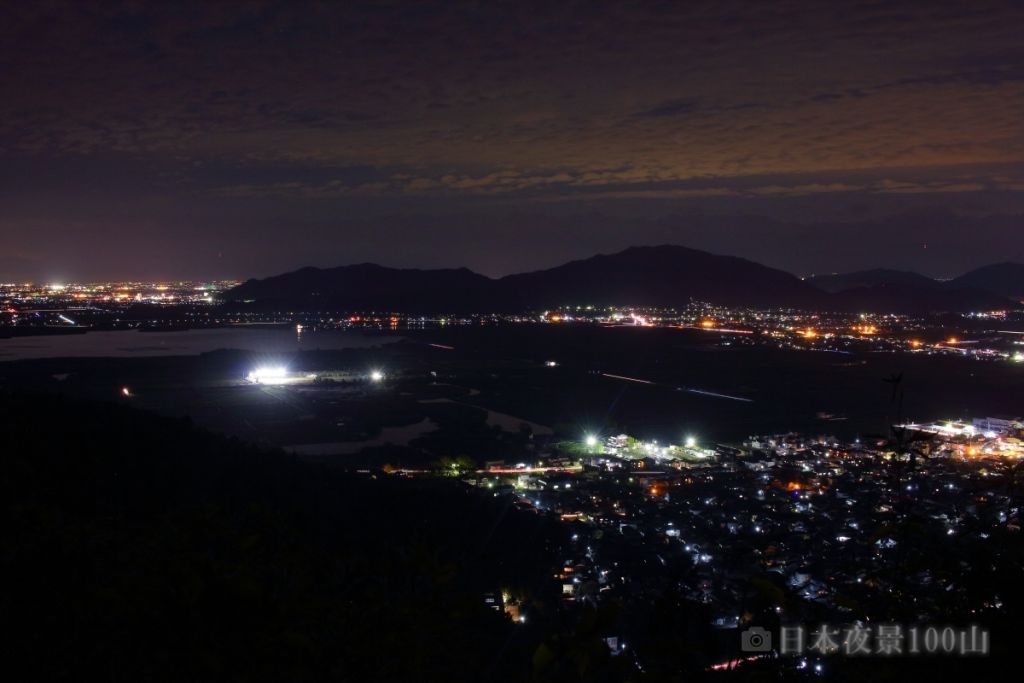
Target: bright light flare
591,441
376,376
691,442
276,374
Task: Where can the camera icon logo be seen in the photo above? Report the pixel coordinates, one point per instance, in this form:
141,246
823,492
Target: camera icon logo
756,639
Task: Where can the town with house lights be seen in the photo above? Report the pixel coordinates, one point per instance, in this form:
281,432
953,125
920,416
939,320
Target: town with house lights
822,515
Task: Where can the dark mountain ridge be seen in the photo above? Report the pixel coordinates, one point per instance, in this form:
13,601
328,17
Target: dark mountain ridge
666,276
1004,279
367,286
657,276
902,298
841,282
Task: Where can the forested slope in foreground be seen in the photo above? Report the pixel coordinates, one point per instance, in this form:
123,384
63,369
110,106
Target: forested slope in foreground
141,548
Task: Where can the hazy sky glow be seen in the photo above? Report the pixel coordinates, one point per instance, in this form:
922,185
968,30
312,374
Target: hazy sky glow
243,139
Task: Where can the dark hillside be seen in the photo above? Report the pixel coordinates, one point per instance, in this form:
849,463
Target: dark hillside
140,548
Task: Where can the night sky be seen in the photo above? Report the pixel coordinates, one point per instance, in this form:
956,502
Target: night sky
230,139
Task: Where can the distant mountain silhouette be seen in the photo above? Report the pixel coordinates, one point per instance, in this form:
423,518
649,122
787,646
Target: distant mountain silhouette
658,276
1005,279
840,282
639,276
366,287
881,288
902,298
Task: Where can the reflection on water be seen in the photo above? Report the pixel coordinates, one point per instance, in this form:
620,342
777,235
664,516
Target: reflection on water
396,436
133,343
509,423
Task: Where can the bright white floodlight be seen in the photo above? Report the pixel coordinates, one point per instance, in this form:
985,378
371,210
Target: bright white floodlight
591,441
690,442
269,375
376,376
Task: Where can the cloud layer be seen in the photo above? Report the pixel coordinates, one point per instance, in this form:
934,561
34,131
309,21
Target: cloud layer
181,116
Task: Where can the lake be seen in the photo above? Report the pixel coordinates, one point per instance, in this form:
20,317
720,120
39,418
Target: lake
135,344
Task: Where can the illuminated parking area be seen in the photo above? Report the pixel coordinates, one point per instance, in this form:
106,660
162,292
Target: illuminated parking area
987,436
